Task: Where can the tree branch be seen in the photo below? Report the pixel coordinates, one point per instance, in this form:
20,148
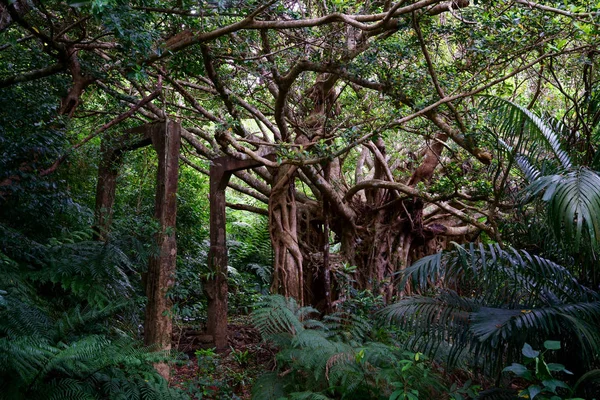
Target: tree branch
33,75
104,127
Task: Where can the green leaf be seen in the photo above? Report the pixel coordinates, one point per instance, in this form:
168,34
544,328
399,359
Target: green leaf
396,395
552,384
541,369
573,199
534,390
555,367
529,352
517,369
552,345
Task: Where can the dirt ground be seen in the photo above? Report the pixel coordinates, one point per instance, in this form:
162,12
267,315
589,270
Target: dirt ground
205,374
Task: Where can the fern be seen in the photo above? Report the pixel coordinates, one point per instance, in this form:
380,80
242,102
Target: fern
268,386
308,396
250,249
94,271
333,359
276,316
62,347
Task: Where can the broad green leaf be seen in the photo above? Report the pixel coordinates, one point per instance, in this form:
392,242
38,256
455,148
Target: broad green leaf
517,369
529,352
556,367
552,384
534,390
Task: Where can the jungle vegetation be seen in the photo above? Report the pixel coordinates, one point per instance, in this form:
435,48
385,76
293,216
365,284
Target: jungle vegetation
413,198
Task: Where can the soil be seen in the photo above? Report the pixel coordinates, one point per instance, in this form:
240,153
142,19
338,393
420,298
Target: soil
204,374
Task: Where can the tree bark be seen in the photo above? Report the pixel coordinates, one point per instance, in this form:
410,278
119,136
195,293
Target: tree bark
288,277
215,286
106,190
158,325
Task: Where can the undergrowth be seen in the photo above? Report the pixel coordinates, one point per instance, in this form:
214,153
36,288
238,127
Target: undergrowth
62,333
337,357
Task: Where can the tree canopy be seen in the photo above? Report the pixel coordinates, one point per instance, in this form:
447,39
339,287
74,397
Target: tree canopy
383,130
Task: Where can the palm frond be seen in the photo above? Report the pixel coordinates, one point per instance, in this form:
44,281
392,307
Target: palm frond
491,300
573,199
527,279
526,133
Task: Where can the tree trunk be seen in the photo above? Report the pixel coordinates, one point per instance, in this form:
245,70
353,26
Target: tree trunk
158,326
288,277
106,187
215,286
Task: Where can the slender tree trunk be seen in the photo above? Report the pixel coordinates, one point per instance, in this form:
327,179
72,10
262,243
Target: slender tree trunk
215,286
106,188
158,326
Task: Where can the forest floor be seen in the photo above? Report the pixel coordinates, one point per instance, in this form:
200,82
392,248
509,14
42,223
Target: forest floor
205,374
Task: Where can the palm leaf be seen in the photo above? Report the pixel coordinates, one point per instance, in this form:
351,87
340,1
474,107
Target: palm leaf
573,198
489,301
526,133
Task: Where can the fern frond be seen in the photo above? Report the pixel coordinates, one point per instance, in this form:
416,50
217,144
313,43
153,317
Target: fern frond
67,389
308,396
350,328
19,319
268,386
276,315
93,270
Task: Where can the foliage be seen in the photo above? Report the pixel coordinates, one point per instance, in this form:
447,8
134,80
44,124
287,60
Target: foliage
206,359
398,85
242,357
543,384
215,380
547,380
492,301
571,192
250,249
322,361
70,345
250,261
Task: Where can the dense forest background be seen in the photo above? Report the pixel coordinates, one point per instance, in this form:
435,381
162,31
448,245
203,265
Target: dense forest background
418,215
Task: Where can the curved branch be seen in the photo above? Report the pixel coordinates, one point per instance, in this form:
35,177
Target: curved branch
246,207
531,4
375,183
336,201
188,38
239,188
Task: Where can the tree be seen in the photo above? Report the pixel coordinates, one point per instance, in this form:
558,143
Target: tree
369,109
